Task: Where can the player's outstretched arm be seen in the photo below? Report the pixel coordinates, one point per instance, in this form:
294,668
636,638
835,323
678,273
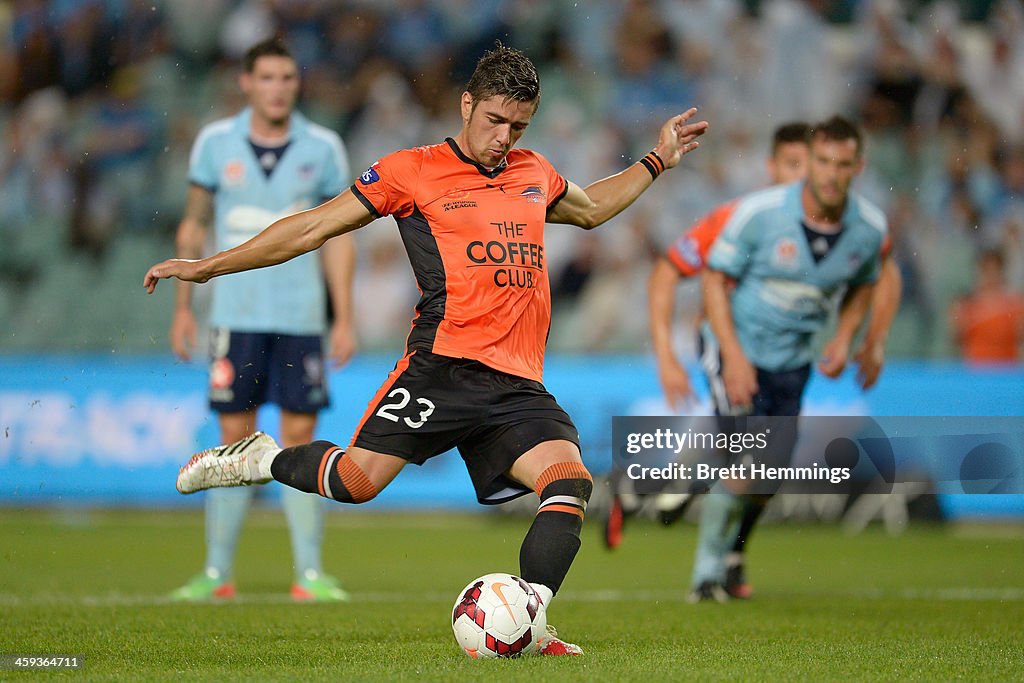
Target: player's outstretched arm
661,304
281,241
885,304
602,200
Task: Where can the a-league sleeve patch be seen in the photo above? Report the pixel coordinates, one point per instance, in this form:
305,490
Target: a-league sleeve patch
690,251
369,176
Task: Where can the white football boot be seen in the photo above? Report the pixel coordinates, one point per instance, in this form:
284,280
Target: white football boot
237,464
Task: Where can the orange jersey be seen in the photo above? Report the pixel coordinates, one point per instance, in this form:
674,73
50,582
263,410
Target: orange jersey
689,253
475,239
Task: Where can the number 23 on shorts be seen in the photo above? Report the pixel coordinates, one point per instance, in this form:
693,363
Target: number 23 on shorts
401,398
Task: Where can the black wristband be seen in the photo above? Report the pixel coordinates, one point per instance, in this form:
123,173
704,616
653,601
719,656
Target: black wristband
653,163
649,165
659,160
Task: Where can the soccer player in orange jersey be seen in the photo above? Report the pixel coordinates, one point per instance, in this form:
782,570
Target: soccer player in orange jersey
471,211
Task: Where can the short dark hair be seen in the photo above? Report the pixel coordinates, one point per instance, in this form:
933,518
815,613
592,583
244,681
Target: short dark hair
838,129
271,47
507,72
788,133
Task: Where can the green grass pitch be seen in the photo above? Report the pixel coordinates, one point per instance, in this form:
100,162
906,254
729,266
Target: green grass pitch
937,603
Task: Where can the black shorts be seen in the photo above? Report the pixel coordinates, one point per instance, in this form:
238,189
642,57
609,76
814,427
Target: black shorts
249,369
431,404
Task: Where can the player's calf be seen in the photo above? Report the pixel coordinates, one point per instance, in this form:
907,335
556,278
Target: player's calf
323,468
553,540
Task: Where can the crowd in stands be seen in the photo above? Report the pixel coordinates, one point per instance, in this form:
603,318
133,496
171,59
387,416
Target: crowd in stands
100,101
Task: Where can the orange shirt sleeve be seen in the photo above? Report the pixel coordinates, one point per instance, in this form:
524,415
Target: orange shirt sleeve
557,185
689,253
387,187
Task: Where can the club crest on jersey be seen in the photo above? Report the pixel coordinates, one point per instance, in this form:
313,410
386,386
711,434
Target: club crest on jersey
785,253
533,194
306,171
233,173
369,176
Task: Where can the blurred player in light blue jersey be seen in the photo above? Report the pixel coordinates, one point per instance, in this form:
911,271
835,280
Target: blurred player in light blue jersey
793,252
267,326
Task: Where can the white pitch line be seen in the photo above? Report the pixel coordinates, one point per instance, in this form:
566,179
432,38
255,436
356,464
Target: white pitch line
962,594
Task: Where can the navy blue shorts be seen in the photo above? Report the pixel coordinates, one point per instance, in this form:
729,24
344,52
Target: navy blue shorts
780,393
249,369
432,403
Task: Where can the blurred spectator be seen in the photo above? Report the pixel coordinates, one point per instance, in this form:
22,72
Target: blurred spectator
941,66
353,39
988,323
35,186
415,33
34,43
118,144
995,78
569,282
390,118
85,46
646,88
139,32
604,280
302,23
917,308
997,184
798,52
893,79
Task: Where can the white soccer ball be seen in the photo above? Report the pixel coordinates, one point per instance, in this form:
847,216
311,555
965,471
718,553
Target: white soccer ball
499,615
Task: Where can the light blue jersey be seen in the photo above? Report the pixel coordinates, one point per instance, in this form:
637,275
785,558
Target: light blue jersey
783,299
289,298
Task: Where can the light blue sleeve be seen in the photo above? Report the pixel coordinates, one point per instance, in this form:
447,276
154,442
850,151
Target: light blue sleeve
336,176
733,250
202,167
